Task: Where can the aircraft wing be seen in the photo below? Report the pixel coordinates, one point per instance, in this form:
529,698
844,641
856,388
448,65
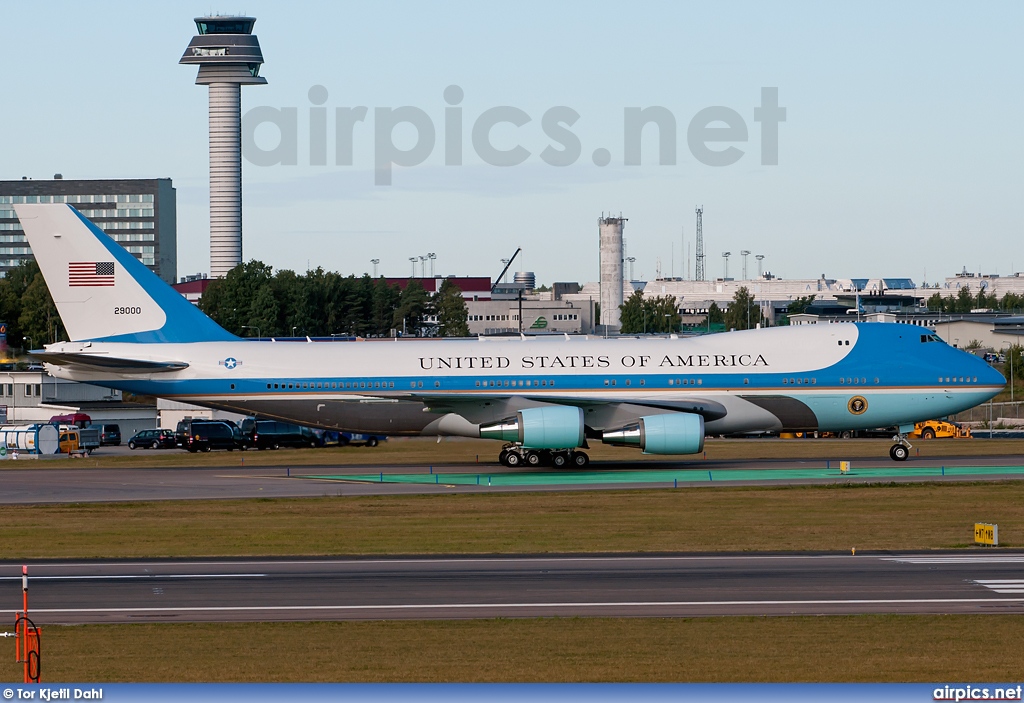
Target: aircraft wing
477,408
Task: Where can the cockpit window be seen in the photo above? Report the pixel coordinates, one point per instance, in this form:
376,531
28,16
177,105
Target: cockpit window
930,338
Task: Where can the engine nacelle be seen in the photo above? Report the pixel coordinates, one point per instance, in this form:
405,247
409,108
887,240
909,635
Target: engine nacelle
548,427
670,433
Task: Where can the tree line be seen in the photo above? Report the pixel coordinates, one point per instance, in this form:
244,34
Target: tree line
660,314
254,300
28,309
965,302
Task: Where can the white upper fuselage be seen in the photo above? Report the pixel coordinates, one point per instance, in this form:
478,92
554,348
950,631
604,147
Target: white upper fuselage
820,366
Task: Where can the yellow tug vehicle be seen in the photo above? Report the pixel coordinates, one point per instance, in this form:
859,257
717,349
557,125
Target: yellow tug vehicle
938,429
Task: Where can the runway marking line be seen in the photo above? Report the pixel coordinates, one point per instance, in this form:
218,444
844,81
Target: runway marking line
1003,585
480,606
964,559
93,577
953,559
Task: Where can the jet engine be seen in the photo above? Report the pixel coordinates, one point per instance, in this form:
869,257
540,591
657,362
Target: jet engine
548,427
670,433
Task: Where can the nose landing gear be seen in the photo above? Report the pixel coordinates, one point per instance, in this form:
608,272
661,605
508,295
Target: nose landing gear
901,450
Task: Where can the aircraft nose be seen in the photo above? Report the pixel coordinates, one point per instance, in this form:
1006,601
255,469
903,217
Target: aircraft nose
992,376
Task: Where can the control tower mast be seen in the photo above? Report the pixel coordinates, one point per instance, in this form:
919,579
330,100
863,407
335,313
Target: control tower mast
228,56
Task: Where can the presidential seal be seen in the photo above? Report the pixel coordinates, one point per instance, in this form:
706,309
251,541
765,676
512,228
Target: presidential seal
858,405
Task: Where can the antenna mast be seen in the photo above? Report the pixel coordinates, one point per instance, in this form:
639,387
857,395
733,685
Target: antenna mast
700,246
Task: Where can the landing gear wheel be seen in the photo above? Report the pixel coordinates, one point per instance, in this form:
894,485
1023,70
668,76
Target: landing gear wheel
580,459
512,459
533,458
503,457
899,453
559,459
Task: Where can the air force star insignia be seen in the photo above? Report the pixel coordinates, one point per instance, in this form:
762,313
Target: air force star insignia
230,363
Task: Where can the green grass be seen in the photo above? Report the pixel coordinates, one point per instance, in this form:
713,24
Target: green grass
856,648
903,516
881,648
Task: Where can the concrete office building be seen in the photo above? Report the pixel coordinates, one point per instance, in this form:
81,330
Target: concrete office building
35,396
228,56
139,214
489,317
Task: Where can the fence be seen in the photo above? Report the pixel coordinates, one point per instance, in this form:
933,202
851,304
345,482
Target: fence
992,412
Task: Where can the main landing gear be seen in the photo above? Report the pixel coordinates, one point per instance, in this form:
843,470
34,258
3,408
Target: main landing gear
901,450
512,455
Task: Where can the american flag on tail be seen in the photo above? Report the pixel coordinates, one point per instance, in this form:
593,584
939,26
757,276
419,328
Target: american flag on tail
91,273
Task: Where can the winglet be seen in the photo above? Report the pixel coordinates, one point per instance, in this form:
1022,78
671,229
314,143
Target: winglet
101,291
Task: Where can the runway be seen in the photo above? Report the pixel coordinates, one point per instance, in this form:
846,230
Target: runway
34,484
542,586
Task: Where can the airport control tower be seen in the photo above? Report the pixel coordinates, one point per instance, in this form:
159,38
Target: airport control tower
228,56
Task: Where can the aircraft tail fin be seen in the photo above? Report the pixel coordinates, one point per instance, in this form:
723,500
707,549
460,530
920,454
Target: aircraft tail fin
101,291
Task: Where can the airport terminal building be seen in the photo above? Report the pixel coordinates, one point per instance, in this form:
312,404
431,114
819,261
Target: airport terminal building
140,214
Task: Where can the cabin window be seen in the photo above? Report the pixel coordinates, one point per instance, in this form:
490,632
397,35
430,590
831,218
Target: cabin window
437,384
746,382
232,386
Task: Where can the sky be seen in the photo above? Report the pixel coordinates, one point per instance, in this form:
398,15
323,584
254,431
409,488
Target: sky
900,153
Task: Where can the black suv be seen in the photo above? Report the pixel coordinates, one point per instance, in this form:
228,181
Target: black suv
273,435
154,439
204,435
110,435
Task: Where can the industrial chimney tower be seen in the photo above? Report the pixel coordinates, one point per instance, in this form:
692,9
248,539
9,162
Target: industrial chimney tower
610,231
228,56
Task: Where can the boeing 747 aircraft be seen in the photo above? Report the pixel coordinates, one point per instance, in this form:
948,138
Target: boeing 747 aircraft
544,396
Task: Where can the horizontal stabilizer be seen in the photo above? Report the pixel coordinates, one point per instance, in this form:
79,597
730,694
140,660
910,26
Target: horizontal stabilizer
98,362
